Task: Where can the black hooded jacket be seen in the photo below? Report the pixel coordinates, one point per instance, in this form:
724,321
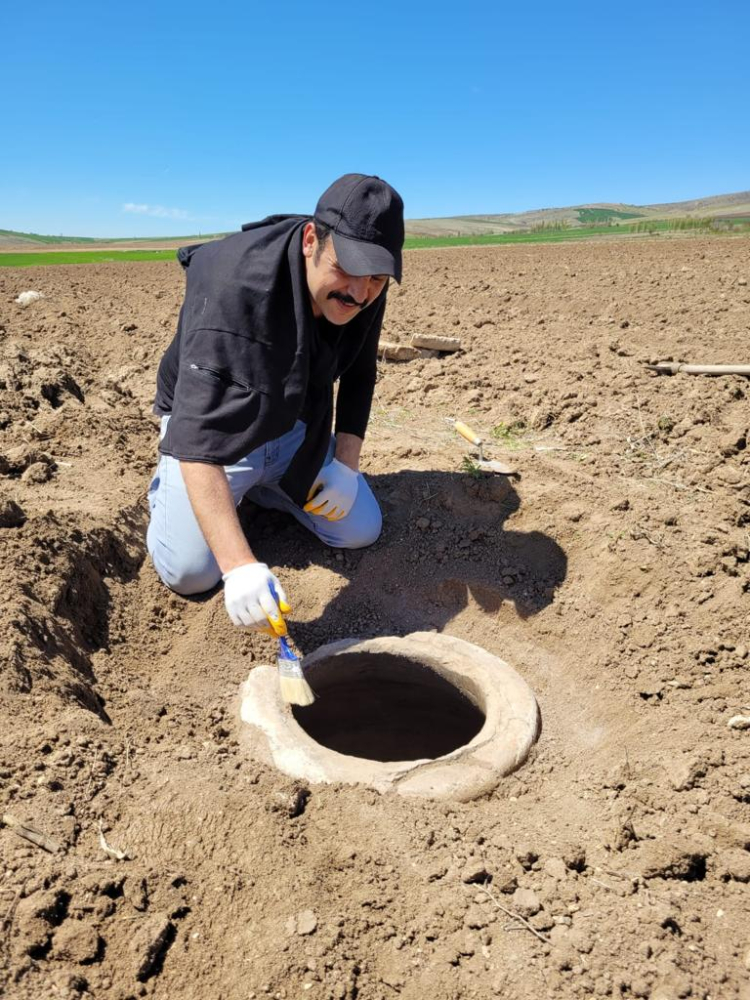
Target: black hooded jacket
249,358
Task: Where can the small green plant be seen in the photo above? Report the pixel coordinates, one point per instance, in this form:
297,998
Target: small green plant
396,417
470,467
665,424
510,434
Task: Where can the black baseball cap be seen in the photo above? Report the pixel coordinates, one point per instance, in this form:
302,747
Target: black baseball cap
366,219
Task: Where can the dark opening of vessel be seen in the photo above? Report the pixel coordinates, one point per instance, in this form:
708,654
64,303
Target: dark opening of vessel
387,708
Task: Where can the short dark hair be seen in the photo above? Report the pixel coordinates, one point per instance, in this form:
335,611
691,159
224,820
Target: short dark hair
323,235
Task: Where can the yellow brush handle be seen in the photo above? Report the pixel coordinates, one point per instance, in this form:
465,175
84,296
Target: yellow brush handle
466,432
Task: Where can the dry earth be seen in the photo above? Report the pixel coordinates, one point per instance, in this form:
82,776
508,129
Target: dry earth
613,574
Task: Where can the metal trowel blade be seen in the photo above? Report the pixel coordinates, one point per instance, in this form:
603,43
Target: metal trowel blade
492,465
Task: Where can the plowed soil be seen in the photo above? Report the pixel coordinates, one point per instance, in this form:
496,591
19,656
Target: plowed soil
612,572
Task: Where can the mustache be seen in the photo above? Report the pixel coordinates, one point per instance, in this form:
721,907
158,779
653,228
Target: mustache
348,300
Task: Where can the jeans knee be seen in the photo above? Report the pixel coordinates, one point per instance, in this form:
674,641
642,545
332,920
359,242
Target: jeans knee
370,533
190,582
360,534
187,580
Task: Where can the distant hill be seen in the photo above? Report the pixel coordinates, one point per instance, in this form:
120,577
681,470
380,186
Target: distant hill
716,206
601,213
15,242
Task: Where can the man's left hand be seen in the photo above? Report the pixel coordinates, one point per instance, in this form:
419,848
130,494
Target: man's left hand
334,491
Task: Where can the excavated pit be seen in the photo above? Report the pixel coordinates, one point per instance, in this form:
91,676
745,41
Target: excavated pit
425,714
386,708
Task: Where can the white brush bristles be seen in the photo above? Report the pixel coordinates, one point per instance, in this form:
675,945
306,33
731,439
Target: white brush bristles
296,691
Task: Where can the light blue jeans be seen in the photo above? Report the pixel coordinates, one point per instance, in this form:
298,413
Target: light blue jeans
175,541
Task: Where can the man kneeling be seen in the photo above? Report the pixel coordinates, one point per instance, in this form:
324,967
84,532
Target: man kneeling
272,317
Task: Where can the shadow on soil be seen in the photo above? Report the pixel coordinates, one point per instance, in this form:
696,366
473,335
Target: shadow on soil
444,546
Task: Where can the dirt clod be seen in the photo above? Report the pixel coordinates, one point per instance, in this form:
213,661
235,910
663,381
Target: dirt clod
76,941
11,514
303,923
149,945
526,902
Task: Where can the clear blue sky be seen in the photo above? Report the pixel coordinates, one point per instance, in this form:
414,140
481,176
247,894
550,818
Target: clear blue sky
163,118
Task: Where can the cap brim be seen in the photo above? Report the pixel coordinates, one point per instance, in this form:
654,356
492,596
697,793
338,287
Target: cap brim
361,259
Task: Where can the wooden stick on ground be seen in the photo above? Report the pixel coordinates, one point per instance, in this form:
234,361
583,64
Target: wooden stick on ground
31,834
514,916
396,352
674,368
429,343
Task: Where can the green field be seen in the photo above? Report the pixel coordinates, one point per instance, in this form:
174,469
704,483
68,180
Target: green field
563,233
547,234
412,243
82,257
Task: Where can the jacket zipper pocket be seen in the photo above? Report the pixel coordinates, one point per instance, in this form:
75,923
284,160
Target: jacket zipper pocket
221,376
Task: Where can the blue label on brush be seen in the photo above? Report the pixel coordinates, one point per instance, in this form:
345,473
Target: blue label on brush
285,650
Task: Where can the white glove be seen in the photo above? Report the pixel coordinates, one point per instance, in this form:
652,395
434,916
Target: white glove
251,592
334,491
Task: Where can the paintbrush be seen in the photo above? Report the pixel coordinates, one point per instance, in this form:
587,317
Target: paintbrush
294,688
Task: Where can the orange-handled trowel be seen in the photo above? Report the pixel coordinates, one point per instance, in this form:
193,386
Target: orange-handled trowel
485,464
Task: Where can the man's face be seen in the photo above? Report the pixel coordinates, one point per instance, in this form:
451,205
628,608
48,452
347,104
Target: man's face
336,295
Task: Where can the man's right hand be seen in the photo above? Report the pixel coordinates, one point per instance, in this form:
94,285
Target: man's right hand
249,598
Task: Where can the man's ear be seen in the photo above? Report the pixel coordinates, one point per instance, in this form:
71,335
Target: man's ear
309,239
